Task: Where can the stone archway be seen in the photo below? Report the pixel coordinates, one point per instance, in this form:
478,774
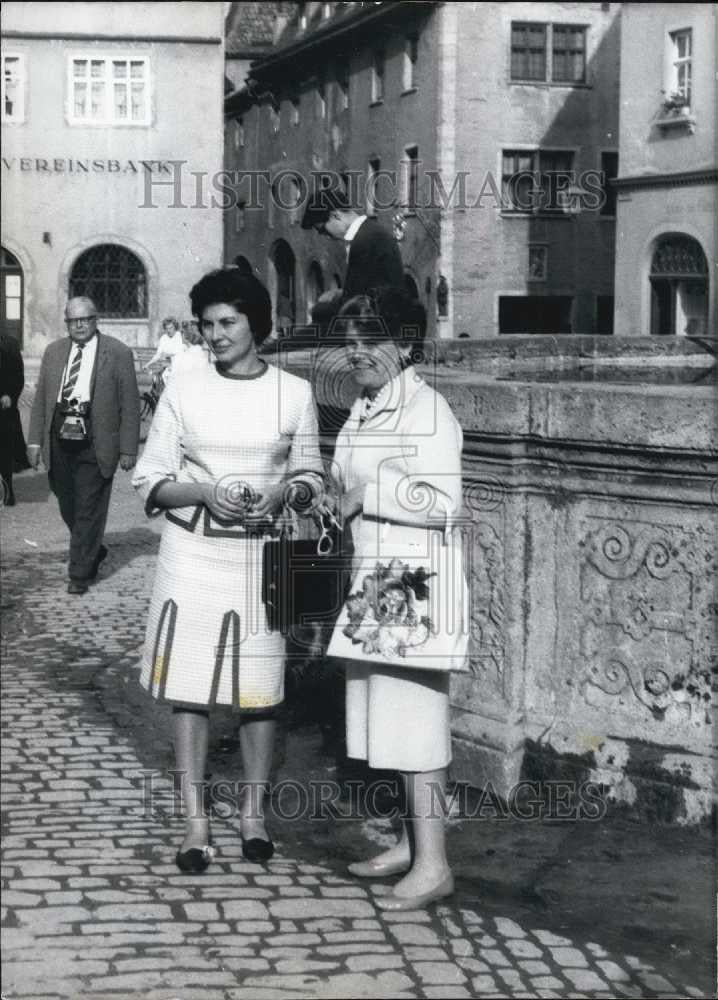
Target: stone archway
679,287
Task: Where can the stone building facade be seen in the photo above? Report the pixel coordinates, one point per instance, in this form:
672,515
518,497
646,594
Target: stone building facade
668,184
97,196
475,131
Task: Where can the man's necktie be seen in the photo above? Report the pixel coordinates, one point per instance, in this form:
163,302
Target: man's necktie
73,373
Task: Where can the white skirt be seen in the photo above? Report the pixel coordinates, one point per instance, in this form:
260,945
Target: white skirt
396,717
207,641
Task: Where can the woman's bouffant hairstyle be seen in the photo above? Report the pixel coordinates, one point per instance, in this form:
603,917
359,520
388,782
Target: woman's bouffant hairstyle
385,313
234,287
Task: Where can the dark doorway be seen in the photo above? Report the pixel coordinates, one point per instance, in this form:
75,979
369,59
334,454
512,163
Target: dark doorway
535,314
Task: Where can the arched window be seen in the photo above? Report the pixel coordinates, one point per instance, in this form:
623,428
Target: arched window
282,282
114,278
679,287
410,285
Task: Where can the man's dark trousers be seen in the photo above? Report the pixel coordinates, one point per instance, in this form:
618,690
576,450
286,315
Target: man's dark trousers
83,494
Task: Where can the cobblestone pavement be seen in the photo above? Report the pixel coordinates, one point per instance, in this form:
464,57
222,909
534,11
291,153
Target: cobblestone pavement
93,906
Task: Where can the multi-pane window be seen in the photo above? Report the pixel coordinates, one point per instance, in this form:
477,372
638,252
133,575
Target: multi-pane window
109,91
411,53
528,51
548,53
568,61
533,180
377,77
609,171
115,280
682,63
13,88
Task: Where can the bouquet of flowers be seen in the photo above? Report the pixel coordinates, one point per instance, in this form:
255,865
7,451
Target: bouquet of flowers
389,615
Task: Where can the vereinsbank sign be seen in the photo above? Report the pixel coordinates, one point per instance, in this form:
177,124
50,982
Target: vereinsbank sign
68,165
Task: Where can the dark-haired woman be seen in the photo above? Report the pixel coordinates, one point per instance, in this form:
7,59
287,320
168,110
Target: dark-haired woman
223,444
398,458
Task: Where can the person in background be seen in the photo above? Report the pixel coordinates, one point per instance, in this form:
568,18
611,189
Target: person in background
85,421
13,455
169,346
373,256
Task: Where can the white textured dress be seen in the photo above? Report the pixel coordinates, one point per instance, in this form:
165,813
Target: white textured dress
406,455
207,641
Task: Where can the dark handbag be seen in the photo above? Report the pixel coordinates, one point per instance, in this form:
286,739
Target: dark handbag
301,585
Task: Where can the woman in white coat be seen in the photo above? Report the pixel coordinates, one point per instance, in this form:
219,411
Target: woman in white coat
398,458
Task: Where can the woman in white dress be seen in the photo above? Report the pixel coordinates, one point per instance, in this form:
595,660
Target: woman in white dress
222,448
401,441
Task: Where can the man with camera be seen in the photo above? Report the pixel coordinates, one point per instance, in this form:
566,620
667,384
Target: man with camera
85,420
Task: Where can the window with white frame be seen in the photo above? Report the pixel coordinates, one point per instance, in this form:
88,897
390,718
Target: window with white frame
113,90
13,87
681,64
377,77
411,53
535,180
411,177
548,53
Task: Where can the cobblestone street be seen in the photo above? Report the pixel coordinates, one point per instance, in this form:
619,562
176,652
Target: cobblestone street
94,907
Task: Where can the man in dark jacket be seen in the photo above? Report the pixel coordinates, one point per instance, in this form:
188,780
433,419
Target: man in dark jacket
85,420
12,443
373,253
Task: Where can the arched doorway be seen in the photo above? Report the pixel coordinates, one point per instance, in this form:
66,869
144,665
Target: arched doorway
410,285
114,278
315,287
679,287
12,295
243,265
283,290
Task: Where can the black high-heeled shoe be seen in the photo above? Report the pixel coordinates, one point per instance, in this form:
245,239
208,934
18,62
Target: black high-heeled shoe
257,850
197,859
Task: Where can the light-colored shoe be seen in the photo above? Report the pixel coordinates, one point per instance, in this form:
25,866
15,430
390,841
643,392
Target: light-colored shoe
369,869
394,902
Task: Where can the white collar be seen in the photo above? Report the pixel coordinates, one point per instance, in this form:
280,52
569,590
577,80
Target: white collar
354,228
395,394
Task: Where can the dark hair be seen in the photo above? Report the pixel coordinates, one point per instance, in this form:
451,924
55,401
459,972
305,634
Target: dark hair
236,288
321,205
385,313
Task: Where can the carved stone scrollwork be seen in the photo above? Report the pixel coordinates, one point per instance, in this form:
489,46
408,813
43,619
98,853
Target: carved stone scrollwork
648,627
486,582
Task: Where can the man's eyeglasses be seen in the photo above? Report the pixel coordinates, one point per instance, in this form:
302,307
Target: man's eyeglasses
80,321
